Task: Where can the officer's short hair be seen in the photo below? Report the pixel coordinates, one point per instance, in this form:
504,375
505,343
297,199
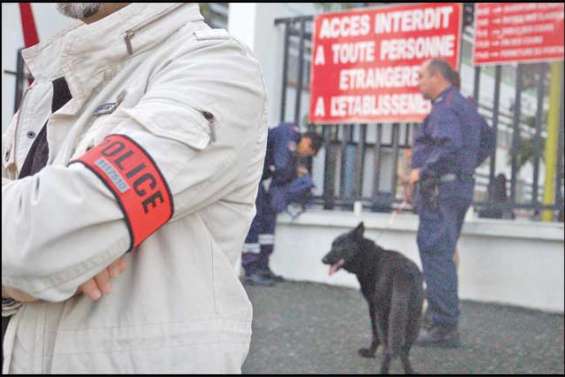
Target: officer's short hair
456,80
444,69
316,138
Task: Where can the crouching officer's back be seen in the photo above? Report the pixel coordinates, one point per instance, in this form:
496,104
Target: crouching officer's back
284,180
451,143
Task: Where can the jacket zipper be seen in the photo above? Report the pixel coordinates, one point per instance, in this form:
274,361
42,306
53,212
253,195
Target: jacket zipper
129,34
211,123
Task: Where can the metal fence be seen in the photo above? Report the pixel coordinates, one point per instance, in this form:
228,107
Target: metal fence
353,166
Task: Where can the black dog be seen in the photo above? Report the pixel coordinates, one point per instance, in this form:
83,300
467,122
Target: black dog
392,286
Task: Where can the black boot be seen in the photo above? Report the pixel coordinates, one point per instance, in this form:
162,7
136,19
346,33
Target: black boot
258,279
268,273
439,336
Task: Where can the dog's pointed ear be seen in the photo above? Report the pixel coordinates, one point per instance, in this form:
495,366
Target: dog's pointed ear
359,230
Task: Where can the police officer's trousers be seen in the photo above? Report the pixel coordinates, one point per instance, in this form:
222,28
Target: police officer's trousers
438,232
259,243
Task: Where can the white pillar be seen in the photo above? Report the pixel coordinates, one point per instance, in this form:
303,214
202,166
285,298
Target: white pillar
254,25
242,22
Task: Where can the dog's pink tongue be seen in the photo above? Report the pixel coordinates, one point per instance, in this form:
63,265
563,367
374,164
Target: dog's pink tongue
335,267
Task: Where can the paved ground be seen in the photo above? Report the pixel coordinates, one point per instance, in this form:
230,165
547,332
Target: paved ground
315,328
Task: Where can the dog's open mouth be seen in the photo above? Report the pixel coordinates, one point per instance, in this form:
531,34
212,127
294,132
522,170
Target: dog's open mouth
336,266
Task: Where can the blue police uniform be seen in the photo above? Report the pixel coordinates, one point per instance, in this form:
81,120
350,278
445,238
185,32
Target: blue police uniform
280,168
447,148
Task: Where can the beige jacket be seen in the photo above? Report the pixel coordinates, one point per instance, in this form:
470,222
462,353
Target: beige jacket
179,307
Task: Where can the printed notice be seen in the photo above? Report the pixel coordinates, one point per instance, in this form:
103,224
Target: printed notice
365,63
518,32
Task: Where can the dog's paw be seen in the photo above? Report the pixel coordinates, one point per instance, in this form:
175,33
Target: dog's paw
365,352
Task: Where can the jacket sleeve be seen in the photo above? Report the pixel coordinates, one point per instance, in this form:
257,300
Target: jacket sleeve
62,226
487,140
285,168
418,147
447,140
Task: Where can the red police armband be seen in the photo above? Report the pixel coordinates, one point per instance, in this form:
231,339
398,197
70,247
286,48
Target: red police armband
136,182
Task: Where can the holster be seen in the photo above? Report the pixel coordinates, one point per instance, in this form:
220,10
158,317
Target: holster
429,191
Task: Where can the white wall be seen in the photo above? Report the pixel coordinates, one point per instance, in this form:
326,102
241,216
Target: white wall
519,263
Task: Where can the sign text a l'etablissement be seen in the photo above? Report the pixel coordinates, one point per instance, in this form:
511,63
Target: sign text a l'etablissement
365,63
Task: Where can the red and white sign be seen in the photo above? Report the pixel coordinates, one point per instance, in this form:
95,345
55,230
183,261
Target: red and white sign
518,32
365,63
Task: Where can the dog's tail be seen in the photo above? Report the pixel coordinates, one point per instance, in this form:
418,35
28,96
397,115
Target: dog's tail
399,313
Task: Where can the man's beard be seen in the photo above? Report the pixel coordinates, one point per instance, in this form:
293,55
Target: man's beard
78,10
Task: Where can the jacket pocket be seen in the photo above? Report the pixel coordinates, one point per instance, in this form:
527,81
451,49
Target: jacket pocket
192,127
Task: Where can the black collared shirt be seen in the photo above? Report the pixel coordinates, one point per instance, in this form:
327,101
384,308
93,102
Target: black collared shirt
38,154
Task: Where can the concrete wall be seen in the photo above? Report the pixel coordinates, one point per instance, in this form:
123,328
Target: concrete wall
518,263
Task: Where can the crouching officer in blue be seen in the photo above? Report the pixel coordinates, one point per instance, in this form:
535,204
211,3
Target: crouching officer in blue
284,180
450,144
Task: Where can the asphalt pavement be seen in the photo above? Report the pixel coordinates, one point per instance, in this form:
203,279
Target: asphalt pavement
303,328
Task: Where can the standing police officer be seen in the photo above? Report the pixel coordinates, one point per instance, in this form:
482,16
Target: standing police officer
450,144
288,178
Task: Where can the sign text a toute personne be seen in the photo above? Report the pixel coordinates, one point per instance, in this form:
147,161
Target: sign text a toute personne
365,63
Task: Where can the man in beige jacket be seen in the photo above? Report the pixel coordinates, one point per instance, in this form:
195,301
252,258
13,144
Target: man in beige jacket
151,128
